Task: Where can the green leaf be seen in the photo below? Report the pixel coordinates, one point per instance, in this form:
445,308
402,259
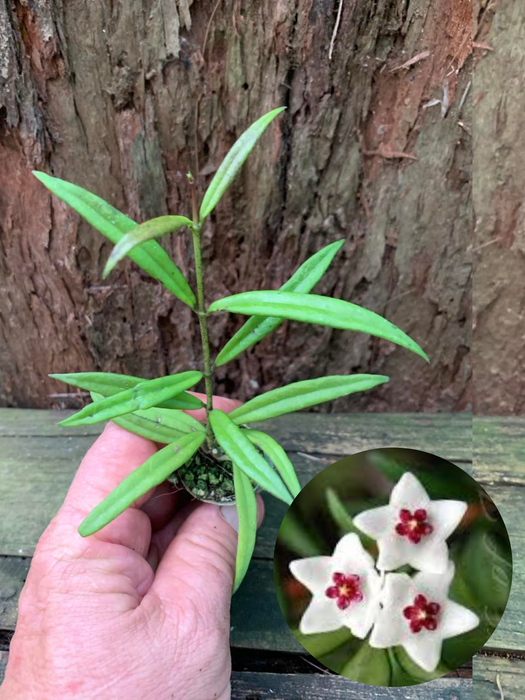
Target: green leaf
107,384
277,456
369,666
247,511
258,327
320,644
112,224
299,537
157,424
233,162
152,473
312,308
142,396
241,451
406,672
149,230
484,551
343,519
300,395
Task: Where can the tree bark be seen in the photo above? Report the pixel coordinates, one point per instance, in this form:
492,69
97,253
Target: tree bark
499,196
114,97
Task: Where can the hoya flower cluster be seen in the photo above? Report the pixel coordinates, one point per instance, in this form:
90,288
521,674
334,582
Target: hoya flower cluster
351,590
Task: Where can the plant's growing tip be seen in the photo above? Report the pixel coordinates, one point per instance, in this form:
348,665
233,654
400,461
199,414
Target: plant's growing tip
154,408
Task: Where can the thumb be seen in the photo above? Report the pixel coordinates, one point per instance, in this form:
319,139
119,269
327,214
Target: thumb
198,566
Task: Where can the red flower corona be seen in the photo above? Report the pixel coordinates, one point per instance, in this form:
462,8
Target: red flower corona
346,590
422,614
414,526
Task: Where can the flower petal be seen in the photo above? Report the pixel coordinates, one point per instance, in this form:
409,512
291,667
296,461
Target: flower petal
321,616
435,586
393,552
431,557
409,493
350,557
361,617
391,628
376,522
456,619
445,516
424,649
314,572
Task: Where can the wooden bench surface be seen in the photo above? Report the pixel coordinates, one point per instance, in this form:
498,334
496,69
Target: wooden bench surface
38,460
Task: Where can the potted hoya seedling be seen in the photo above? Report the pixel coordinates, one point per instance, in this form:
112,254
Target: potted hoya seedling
222,460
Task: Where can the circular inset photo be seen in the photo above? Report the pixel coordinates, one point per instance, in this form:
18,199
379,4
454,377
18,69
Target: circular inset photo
393,567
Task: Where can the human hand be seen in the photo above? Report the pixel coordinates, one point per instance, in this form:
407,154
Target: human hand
141,609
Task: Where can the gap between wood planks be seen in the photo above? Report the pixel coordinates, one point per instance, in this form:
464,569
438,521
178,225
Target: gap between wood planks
493,653
264,661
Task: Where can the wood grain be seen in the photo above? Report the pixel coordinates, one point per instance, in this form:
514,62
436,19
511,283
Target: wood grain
29,438
268,686
499,678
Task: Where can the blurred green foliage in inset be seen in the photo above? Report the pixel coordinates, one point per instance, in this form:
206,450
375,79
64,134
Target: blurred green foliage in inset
324,511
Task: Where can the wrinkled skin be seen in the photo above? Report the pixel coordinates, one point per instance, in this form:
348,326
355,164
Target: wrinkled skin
139,610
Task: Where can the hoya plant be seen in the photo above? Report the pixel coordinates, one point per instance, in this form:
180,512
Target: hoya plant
223,460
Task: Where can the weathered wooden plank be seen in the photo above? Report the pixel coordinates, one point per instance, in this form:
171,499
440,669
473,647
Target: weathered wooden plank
499,450
318,433
448,435
256,618
510,633
277,686
254,625
36,472
4,655
498,677
272,686
23,422
13,573
262,626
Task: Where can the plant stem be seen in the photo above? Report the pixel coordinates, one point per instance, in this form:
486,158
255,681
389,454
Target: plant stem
203,315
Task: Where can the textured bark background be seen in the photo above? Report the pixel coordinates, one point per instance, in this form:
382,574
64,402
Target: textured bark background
104,94
499,196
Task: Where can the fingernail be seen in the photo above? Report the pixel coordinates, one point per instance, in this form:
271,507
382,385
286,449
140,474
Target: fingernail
230,514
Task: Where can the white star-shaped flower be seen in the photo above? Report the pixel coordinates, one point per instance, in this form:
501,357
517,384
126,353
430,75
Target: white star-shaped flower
345,589
417,614
412,529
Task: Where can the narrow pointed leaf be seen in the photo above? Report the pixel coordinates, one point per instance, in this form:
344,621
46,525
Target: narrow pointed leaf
275,453
247,511
142,396
157,424
258,327
312,308
107,384
300,395
343,519
150,474
112,224
368,665
241,451
233,162
149,230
